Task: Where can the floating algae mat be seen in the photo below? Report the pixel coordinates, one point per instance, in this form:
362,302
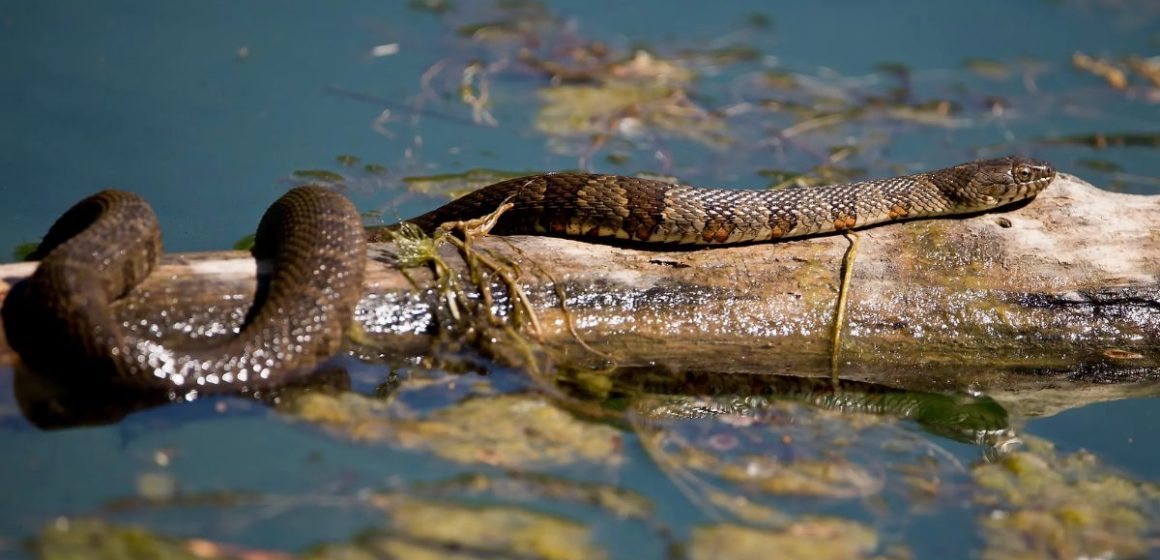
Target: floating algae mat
502,430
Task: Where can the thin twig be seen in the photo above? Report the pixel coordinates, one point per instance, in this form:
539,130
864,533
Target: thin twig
840,309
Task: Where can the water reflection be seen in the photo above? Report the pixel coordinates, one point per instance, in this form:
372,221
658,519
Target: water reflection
51,402
653,393
658,394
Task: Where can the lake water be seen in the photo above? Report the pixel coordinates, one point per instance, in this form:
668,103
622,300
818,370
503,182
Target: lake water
209,109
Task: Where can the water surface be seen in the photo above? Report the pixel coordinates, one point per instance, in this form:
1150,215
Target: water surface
209,109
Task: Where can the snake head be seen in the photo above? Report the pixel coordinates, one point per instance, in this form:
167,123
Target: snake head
995,182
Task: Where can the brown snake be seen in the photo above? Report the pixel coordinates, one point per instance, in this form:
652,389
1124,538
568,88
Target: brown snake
642,210
59,319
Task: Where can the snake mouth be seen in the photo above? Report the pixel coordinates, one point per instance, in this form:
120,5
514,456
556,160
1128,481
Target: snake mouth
1026,190
1040,184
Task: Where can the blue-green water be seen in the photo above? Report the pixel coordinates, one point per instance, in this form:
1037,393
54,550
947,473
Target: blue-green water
207,109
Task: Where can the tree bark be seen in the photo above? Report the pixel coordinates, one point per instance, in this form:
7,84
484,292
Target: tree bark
1064,287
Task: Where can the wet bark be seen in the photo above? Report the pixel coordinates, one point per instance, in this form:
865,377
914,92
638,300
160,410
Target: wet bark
1064,287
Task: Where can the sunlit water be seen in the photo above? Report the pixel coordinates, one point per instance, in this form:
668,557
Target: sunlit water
207,109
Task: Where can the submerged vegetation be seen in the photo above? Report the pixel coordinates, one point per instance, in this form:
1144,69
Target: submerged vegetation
741,469
1044,504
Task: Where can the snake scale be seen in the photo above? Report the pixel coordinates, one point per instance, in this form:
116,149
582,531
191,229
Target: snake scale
646,211
59,319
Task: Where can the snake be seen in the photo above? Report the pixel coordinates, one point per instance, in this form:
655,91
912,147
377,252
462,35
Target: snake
637,210
59,319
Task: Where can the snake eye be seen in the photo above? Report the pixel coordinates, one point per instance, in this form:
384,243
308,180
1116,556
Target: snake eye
1023,173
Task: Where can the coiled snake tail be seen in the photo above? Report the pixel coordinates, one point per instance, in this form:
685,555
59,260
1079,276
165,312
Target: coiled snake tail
60,320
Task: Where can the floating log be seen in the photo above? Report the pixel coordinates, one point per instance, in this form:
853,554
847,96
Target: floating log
1063,287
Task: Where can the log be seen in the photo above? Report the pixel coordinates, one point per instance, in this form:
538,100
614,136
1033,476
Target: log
1062,288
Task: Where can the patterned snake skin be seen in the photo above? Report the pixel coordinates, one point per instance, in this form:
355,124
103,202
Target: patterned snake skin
641,210
60,321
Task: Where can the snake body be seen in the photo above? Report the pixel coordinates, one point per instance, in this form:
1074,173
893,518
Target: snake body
641,210
59,320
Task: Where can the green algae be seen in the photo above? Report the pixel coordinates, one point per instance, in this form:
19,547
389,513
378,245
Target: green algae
641,94
497,528
413,529
1044,504
321,175
620,502
514,431
245,243
836,479
426,529
816,539
454,185
583,111
22,251
988,68
92,539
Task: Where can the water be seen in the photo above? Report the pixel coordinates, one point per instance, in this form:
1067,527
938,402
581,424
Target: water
208,109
